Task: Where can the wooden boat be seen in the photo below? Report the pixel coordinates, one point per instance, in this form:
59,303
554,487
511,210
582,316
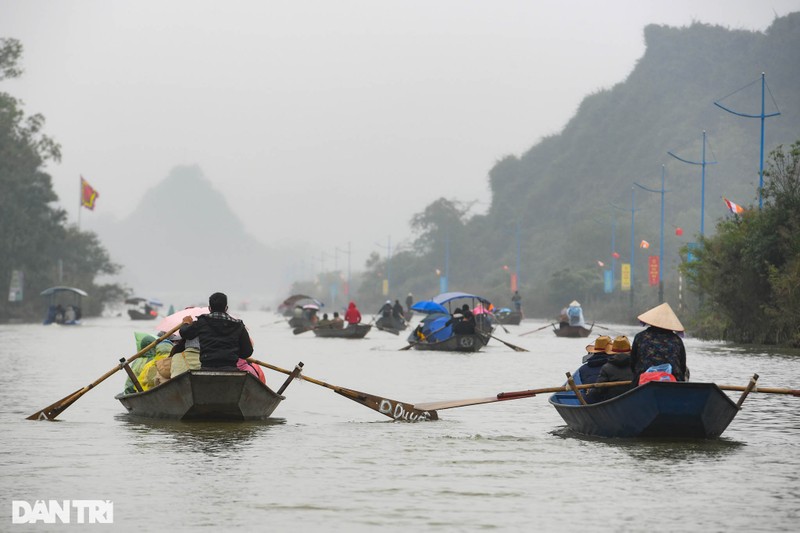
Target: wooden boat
205,395
142,308
572,331
655,409
353,331
390,324
511,318
458,342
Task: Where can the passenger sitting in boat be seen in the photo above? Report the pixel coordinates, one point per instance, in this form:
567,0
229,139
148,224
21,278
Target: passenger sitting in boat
589,371
659,343
386,310
325,323
223,339
575,314
142,340
185,356
563,319
463,321
352,315
336,321
618,368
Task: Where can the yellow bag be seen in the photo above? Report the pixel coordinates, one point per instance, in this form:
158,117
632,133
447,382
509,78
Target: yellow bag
189,359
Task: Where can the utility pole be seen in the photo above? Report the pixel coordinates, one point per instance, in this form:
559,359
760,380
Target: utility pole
761,116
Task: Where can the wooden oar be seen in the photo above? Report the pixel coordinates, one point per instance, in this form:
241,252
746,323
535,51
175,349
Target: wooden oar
535,330
392,408
515,348
766,390
450,404
55,409
502,396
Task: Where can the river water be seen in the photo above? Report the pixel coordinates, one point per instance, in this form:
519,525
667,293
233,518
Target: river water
327,463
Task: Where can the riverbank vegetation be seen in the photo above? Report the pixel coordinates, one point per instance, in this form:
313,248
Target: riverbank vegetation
748,274
36,238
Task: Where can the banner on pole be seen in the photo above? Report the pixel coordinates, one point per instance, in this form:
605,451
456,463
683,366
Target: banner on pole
513,282
653,270
442,284
385,288
15,287
690,256
608,281
625,276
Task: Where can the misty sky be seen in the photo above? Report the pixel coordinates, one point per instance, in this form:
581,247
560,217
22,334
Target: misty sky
323,121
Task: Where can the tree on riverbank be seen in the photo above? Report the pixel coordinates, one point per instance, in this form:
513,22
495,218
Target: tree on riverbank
748,274
35,238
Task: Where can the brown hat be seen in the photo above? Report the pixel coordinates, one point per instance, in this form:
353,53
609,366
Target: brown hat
662,317
600,345
620,344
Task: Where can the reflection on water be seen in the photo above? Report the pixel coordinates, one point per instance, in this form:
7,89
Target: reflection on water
210,437
660,449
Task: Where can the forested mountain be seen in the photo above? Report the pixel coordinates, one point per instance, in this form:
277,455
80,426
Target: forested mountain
567,192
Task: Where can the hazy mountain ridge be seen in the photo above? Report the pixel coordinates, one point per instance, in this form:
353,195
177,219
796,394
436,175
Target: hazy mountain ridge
184,241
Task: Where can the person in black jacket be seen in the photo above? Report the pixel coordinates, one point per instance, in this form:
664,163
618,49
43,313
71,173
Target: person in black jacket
223,339
618,368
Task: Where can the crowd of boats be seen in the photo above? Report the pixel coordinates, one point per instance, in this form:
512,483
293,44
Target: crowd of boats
455,321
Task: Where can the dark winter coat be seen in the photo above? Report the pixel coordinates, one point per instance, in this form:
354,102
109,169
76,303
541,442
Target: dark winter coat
618,368
223,339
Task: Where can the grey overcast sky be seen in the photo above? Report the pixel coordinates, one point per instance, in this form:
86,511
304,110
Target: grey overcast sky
323,121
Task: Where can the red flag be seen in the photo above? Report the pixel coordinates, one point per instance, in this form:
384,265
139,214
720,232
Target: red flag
615,255
735,208
678,231
88,195
644,244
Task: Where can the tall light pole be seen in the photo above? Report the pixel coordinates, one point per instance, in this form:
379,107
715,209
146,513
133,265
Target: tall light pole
703,164
661,245
762,116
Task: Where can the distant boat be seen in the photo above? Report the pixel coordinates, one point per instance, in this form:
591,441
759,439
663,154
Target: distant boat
352,331
508,317
142,308
63,305
565,330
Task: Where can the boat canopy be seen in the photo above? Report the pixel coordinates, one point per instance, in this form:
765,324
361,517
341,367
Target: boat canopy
54,290
449,296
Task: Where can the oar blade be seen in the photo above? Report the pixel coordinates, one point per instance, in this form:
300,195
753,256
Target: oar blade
392,408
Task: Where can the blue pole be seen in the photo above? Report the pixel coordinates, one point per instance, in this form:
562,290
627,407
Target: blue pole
661,246
613,249
633,242
446,263
762,116
761,160
518,254
703,188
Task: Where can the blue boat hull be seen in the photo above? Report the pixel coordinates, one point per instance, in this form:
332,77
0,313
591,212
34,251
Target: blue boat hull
655,409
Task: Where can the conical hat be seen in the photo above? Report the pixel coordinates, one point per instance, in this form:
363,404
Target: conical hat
662,317
574,303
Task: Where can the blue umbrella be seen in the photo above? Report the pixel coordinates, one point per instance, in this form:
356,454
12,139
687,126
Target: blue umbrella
427,306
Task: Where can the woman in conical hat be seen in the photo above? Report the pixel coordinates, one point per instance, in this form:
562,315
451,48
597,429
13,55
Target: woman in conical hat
659,344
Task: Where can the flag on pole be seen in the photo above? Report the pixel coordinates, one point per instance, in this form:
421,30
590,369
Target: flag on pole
644,244
88,195
735,208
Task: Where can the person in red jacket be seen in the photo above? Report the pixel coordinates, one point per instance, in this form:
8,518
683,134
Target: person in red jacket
352,316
